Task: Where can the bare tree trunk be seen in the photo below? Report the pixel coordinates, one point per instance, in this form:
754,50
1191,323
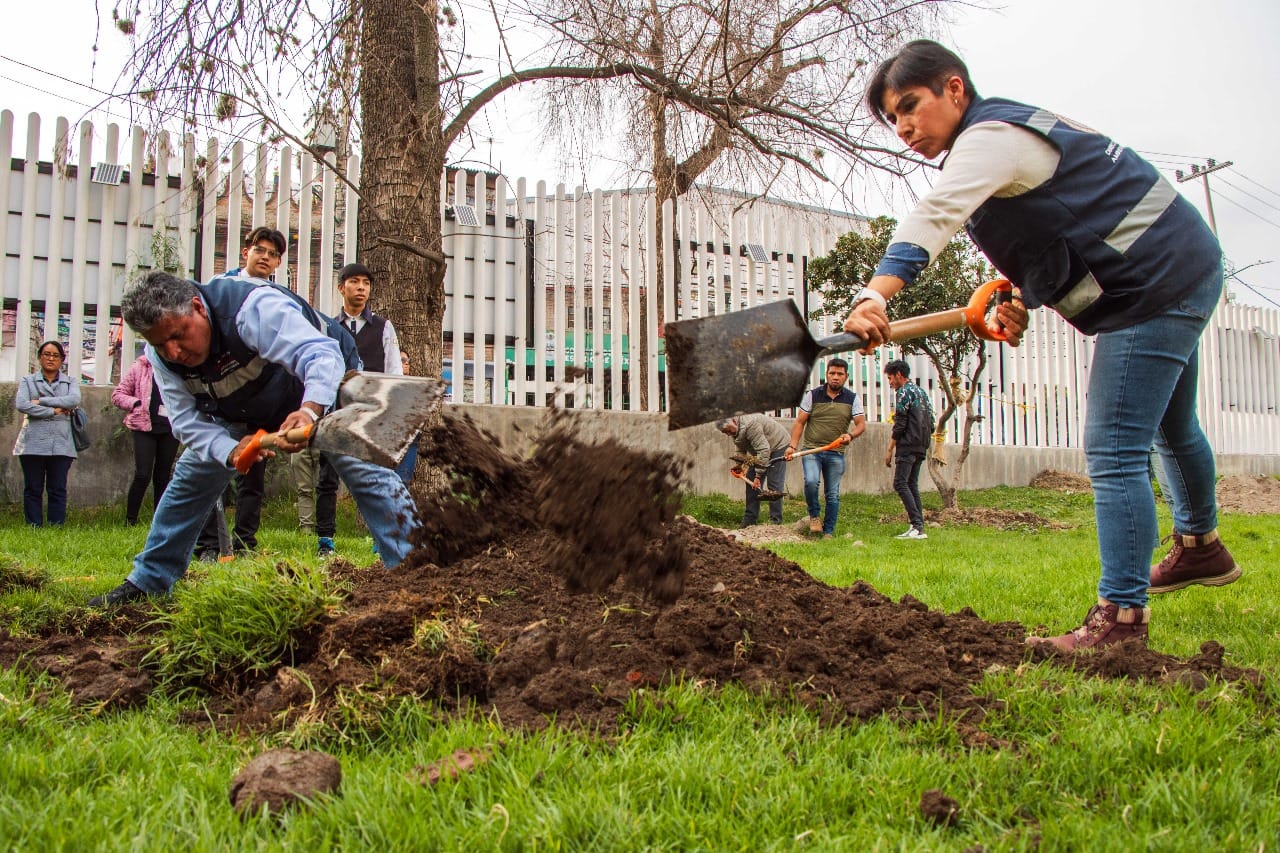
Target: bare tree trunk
948,482
399,216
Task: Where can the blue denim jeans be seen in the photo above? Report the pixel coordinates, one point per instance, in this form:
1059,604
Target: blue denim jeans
381,498
825,469
773,478
1142,390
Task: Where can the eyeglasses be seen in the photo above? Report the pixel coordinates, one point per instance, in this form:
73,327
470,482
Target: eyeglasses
52,354
262,250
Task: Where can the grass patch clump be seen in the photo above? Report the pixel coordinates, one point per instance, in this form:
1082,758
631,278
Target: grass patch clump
15,576
243,621
450,637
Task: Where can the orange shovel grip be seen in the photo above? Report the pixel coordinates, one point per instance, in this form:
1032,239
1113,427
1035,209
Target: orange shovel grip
255,449
975,314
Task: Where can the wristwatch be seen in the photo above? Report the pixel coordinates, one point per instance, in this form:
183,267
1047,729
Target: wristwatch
874,295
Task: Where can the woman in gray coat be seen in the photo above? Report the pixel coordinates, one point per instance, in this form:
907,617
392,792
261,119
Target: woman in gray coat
44,443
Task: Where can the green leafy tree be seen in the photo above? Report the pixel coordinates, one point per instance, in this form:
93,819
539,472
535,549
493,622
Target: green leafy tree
958,357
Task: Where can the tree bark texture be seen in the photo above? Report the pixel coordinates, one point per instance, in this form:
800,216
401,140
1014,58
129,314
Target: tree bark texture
400,175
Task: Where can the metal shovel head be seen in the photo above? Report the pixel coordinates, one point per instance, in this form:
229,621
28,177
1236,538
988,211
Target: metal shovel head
753,360
378,417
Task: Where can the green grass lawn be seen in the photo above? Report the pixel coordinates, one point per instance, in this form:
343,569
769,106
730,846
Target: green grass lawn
1074,763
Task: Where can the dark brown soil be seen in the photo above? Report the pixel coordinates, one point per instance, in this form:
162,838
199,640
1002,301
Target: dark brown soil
553,588
284,778
938,808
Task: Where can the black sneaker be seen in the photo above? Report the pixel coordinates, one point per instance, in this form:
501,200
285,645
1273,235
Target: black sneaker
122,594
208,555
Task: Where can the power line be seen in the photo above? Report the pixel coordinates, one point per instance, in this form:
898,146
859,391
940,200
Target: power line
1180,158
1261,201
1255,290
1229,200
34,88
56,76
1255,183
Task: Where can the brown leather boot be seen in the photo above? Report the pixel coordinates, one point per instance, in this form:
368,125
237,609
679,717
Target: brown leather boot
1104,625
1193,559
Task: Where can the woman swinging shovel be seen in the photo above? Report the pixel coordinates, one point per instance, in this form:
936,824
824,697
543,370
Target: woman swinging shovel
762,445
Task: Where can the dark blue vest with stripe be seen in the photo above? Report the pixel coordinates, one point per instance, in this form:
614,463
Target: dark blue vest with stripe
1105,241
369,341
235,383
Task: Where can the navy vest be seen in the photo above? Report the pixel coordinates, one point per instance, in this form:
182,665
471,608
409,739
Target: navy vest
828,418
1105,241
369,341
234,382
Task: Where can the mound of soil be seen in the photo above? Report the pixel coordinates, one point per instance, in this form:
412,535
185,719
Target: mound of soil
1249,495
1062,481
758,534
998,519
553,588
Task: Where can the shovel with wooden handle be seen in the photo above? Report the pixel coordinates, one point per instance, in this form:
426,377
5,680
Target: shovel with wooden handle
759,359
835,445
765,494
377,418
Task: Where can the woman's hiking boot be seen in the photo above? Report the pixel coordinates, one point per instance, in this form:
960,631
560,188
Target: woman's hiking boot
1193,559
1104,625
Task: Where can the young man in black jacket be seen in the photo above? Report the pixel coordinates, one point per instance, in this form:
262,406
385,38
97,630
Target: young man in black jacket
912,431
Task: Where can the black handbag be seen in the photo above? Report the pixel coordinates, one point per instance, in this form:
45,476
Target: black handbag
80,429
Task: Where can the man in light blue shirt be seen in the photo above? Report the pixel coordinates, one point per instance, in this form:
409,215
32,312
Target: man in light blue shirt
232,357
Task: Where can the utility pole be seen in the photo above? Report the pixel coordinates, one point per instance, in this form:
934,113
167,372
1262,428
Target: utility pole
1198,171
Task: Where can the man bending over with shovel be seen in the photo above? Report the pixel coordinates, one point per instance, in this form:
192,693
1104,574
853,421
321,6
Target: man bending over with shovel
232,357
764,440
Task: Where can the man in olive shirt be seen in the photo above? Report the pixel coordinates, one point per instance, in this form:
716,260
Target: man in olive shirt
829,412
766,440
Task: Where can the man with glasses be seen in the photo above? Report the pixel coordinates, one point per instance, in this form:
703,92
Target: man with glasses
260,255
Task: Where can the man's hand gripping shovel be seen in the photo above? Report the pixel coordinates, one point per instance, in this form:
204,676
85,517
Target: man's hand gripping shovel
377,418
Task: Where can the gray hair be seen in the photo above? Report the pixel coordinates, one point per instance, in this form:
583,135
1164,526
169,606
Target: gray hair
155,297
724,422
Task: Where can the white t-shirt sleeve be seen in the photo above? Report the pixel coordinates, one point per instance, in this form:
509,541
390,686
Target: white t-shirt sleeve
391,350
989,159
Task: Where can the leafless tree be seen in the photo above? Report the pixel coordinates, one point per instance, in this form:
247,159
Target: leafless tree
785,78
406,74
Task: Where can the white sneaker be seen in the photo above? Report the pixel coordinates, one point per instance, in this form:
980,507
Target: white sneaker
912,533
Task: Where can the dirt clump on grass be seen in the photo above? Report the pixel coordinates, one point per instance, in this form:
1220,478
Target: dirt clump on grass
1249,494
1062,481
555,587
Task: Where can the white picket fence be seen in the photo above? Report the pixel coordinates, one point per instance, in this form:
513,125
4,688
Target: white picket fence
544,285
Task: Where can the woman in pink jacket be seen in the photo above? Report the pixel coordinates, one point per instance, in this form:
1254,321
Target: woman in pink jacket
154,445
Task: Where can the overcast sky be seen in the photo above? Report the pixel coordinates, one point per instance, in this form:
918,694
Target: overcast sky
1176,80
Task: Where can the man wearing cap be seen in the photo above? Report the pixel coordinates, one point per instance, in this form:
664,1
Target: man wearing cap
765,440
379,349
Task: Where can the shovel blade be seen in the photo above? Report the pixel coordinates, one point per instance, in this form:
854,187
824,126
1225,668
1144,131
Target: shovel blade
378,417
753,360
